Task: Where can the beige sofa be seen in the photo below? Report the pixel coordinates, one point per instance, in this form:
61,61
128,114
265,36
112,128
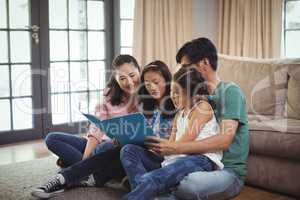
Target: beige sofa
272,89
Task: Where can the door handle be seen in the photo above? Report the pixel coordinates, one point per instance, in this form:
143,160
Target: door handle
35,33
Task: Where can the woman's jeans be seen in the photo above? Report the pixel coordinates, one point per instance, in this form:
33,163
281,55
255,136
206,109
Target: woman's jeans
104,166
70,148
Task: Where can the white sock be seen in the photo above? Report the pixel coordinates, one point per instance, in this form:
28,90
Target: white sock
91,181
61,179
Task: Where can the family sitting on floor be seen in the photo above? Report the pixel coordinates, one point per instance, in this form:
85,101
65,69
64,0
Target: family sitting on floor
201,145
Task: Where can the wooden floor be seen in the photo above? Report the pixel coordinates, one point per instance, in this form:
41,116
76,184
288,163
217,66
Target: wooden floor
25,151
251,193
37,149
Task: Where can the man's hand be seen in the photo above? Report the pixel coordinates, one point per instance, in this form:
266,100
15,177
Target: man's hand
198,98
162,146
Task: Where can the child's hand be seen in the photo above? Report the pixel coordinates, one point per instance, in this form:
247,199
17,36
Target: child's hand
161,146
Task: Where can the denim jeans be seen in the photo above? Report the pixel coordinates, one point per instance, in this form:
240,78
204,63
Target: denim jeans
160,180
215,185
104,166
70,148
137,161
103,146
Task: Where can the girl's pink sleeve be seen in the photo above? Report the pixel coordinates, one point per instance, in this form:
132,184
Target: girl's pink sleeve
101,112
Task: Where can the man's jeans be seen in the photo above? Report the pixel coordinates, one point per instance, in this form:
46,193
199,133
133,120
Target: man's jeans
214,185
70,148
149,185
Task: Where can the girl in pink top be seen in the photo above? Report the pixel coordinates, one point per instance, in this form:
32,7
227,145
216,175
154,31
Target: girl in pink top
119,99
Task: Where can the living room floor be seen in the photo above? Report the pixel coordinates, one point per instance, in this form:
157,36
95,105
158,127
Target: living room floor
31,150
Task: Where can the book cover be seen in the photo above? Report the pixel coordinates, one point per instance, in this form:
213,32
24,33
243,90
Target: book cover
127,129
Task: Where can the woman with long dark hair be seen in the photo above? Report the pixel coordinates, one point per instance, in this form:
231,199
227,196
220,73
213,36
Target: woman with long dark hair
119,99
155,103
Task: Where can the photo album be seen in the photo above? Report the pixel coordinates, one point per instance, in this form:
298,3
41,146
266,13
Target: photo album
127,129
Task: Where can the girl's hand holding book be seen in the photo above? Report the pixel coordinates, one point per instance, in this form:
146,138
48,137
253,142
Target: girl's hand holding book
162,146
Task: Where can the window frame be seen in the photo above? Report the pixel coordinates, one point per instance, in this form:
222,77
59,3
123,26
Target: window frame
285,29
17,135
42,122
117,27
75,127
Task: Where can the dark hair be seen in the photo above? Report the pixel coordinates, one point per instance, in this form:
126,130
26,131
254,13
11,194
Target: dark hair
147,102
114,90
191,80
182,52
203,48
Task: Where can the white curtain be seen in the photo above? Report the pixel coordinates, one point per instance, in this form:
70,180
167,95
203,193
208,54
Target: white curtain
250,28
161,27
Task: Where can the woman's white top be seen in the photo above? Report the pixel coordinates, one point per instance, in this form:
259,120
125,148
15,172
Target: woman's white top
209,129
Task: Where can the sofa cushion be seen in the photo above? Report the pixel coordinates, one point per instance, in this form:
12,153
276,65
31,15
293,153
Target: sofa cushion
293,96
271,123
278,138
264,81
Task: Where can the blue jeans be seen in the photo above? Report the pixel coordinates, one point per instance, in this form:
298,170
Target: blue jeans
201,185
104,166
137,161
103,146
70,148
160,180
215,185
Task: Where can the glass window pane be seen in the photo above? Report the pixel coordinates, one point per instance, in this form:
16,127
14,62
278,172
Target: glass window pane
3,47
78,76
77,14
18,13
95,15
60,108
293,14
126,32
58,14
58,45
21,80
78,45
3,14
59,75
95,98
96,75
79,103
20,46
126,50
292,44
127,9
5,115
4,81
22,113
96,45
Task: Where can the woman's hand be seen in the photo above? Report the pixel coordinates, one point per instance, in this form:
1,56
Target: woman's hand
116,142
162,146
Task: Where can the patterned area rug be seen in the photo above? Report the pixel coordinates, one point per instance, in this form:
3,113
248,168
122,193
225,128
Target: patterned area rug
17,181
